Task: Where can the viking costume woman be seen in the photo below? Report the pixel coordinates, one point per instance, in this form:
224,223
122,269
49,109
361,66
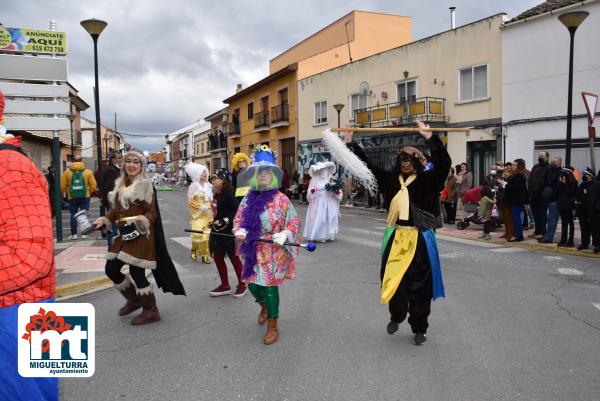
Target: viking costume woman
266,213
199,197
324,196
140,243
410,269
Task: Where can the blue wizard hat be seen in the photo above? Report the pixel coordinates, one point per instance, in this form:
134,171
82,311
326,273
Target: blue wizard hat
263,158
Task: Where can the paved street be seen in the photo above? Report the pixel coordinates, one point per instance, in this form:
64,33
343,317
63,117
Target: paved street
517,324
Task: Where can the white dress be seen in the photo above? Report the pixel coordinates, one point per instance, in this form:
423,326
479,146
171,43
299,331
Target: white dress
321,222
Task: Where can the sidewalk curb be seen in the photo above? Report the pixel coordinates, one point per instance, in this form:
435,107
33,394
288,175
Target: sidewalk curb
90,286
81,287
529,245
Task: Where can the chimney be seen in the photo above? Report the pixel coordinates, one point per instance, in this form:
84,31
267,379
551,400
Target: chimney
238,88
452,17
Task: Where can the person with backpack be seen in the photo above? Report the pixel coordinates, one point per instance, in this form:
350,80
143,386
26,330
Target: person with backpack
78,183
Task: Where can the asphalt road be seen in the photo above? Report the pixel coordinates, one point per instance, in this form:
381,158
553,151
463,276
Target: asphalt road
513,327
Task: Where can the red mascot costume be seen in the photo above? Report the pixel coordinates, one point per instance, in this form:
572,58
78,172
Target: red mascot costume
27,272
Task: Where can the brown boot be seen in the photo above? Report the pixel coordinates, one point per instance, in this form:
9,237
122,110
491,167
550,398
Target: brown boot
272,333
134,302
150,313
262,316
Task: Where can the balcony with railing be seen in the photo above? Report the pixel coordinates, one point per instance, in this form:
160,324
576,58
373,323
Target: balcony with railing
280,115
429,109
233,130
262,122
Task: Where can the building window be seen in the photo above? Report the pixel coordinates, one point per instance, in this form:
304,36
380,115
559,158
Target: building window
250,110
407,92
320,112
473,83
357,102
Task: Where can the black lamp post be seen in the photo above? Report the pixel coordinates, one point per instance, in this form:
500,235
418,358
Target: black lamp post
95,27
71,118
338,107
571,21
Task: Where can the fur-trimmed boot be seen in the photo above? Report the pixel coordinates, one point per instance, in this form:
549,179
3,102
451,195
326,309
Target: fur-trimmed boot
272,333
134,302
150,312
262,316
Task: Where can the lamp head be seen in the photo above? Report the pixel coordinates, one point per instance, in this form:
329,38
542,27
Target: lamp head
93,26
71,117
573,19
338,107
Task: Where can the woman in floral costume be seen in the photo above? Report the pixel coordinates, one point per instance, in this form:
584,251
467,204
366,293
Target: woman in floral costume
268,214
200,196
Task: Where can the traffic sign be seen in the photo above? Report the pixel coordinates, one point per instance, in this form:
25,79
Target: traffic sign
591,101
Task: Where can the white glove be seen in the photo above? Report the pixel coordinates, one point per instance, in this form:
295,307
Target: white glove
280,238
241,234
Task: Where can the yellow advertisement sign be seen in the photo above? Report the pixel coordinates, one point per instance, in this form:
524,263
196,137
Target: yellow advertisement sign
23,40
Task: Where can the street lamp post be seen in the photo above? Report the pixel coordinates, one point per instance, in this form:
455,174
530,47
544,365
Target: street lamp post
571,21
95,27
338,107
71,117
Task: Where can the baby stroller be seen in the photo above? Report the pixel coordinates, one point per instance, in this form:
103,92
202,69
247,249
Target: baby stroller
471,200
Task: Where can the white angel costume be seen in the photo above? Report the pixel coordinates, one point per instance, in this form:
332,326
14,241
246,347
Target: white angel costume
321,222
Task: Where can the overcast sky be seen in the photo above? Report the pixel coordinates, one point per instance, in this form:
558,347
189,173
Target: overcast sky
166,64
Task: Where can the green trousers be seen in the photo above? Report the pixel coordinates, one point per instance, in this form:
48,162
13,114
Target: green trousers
268,296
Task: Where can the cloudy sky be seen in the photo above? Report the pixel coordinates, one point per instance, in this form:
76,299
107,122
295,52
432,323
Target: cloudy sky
166,64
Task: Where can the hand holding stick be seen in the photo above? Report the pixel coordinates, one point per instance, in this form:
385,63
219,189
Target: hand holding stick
309,246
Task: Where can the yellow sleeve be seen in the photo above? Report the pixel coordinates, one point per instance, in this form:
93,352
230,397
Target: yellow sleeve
64,182
91,182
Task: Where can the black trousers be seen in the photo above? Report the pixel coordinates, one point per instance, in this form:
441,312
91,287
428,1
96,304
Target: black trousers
413,296
113,271
566,221
450,208
585,225
539,208
595,228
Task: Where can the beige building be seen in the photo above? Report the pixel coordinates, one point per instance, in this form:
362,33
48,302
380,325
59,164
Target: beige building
355,36
452,79
217,139
265,112
202,153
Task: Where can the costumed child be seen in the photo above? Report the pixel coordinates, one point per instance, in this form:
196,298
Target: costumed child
27,272
410,269
224,208
239,162
141,241
200,196
324,196
268,214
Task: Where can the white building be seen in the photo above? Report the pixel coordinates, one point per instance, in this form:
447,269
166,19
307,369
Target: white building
535,65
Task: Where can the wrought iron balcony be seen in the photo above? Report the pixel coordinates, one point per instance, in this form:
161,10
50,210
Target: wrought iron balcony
402,113
262,122
233,130
280,115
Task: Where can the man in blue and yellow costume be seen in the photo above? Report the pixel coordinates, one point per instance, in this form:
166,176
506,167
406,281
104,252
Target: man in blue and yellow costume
410,268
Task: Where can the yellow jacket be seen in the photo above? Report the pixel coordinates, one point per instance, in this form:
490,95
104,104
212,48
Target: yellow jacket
88,176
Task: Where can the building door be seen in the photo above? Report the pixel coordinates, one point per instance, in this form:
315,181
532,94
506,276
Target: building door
288,155
481,155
